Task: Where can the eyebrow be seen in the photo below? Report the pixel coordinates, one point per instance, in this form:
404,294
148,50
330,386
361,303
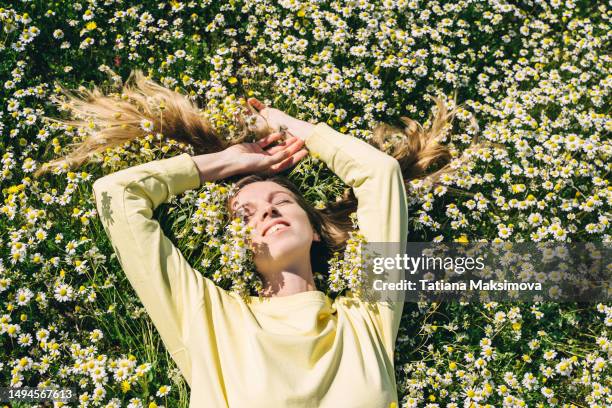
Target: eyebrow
269,196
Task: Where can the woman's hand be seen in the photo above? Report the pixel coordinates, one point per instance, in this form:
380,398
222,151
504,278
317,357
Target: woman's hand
260,157
267,119
245,158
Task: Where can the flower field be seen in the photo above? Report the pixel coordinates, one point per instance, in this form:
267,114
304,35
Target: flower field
534,75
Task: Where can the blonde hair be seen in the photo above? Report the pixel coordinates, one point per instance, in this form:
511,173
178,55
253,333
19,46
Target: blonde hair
420,148
111,120
117,120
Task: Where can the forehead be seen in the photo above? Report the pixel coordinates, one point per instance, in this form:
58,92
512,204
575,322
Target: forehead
259,190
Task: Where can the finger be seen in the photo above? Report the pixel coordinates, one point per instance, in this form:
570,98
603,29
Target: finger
265,141
256,103
277,157
282,145
251,109
294,146
290,161
291,146
282,154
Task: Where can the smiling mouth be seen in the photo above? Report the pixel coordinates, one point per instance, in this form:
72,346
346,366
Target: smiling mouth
276,228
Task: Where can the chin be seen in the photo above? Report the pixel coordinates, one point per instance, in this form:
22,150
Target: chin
282,248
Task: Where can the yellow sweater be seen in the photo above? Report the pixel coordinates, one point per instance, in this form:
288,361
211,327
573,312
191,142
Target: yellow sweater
302,350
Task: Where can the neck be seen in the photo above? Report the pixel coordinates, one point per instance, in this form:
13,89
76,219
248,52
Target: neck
289,281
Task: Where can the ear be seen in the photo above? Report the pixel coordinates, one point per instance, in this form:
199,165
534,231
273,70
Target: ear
316,237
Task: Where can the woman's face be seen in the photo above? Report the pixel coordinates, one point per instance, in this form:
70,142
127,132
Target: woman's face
281,231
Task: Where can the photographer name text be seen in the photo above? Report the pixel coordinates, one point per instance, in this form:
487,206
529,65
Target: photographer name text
444,286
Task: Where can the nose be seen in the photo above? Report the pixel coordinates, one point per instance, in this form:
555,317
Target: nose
268,210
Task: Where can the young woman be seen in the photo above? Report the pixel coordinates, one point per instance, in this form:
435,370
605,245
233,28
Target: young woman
293,347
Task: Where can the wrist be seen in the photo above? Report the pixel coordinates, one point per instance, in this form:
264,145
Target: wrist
215,166
298,128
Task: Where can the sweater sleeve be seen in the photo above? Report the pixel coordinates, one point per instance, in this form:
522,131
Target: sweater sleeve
382,213
169,288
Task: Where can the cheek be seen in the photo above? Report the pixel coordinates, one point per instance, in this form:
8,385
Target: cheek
300,224
303,224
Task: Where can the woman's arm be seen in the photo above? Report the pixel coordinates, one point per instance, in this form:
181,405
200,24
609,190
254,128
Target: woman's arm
378,184
382,213
168,287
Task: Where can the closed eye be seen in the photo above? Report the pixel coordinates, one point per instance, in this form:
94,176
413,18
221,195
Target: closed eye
246,217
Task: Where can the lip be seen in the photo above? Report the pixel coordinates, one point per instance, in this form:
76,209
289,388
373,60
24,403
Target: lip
273,223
